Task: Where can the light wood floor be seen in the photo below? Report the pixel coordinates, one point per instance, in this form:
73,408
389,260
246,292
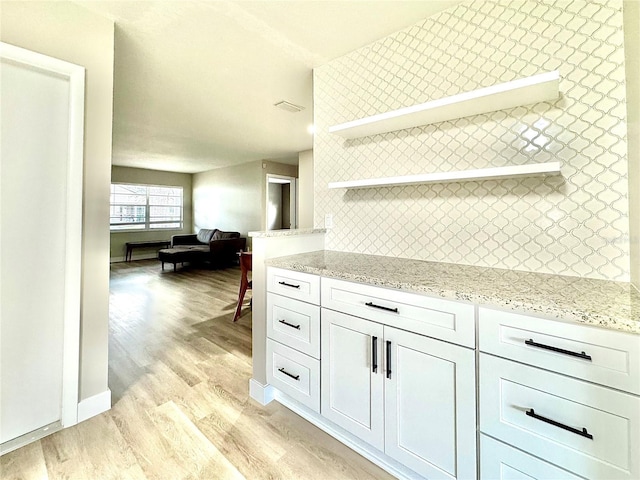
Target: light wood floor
179,372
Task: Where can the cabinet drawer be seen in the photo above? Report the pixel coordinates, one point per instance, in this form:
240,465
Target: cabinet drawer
595,354
294,373
499,461
544,413
298,285
293,323
442,319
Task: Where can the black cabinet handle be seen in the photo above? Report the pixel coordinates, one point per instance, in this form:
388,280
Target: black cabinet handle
582,433
582,355
289,285
371,304
374,354
295,377
289,324
388,359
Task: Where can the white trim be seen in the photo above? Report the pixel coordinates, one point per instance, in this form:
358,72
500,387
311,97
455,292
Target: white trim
30,437
511,171
92,406
293,198
367,451
73,248
263,394
523,91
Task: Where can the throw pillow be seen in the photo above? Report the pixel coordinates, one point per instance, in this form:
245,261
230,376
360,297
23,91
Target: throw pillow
204,235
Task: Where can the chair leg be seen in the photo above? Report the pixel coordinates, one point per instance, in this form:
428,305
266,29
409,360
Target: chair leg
243,289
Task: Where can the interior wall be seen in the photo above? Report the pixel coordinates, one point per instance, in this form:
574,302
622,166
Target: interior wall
151,177
305,189
575,224
229,198
272,168
71,33
632,58
286,205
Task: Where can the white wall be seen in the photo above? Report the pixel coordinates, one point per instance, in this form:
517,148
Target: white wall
632,58
71,33
151,177
576,224
228,198
305,189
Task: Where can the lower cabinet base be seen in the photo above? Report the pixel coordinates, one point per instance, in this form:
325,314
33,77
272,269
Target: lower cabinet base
354,443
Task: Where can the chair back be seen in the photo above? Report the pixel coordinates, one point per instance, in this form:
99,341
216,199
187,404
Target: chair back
246,261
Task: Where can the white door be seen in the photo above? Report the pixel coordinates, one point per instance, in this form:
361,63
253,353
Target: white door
352,375
430,405
40,214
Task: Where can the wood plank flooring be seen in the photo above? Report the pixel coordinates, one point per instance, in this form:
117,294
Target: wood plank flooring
179,371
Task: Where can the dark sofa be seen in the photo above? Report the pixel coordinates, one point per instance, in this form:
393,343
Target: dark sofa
219,249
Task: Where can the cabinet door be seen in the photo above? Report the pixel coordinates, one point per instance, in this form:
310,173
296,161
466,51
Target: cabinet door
430,419
352,386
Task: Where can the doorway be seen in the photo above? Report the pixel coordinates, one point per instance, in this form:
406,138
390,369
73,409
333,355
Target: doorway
42,119
281,202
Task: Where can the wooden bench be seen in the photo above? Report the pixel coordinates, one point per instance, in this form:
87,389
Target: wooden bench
144,244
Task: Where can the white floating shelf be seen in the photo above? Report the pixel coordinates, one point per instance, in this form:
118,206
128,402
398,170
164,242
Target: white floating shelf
524,91
530,170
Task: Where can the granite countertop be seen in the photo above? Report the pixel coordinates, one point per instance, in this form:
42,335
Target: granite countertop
287,232
608,304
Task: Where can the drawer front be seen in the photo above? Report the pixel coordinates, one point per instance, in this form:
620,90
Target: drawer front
595,354
294,374
297,285
294,323
544,413
499,461
442,319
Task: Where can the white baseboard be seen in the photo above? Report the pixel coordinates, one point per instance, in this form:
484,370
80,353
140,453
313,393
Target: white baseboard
262,394
92,406
354,443
30,437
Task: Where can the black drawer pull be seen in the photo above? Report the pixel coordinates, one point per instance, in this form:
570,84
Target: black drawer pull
290,324
289,285
582,433
295,377
371,304
374,354
582,355
388,359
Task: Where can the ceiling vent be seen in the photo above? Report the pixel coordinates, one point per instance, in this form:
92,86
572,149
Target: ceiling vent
289,107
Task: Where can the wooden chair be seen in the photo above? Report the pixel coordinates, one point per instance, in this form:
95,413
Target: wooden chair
245,268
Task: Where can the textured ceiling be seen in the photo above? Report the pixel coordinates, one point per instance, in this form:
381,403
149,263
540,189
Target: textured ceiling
195,81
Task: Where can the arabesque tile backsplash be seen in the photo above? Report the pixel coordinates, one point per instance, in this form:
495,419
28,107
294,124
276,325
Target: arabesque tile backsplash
576,224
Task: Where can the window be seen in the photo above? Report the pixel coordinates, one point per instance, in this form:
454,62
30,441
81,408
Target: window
145,207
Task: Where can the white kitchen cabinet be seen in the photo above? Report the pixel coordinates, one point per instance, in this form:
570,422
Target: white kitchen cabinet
408,395
430,405
352,375
545,389
293,335
499,461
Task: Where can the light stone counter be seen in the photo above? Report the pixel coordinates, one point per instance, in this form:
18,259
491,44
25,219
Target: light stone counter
613,305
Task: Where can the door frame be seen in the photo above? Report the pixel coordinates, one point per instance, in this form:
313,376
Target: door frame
293,198
73,248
